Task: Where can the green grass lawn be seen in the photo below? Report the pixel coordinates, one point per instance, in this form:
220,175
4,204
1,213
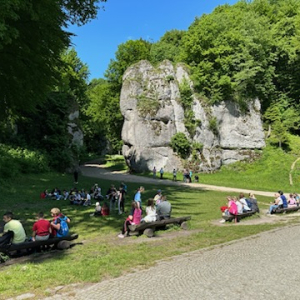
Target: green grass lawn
102,255
269,173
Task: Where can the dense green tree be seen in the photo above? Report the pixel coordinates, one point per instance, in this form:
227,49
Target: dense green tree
32,37
104,115
168,47
127,54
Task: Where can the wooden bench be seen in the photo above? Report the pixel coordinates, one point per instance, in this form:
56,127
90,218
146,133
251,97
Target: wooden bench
238,217
59,242
149,228
285,210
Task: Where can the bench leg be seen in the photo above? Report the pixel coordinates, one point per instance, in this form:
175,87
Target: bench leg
149,232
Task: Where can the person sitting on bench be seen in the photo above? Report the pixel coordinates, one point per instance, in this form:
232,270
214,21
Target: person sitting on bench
134,217
277,203
15,226
164,209
41,228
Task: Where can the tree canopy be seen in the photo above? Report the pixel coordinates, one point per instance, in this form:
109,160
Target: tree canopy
32,37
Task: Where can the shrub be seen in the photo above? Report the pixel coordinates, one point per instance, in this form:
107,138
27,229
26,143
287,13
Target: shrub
14,161
180,144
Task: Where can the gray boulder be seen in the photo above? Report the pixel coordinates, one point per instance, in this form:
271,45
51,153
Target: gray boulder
150,104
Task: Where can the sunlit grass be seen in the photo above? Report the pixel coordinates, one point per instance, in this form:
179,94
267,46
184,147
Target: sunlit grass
102,254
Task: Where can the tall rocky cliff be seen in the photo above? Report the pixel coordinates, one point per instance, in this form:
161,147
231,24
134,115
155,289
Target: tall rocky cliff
151,105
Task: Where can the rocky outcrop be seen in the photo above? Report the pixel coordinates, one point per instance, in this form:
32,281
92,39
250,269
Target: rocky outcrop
151,105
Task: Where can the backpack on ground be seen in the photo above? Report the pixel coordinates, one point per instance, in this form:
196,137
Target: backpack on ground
64,228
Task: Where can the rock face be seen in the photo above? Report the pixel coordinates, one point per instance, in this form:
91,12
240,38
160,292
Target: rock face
150,103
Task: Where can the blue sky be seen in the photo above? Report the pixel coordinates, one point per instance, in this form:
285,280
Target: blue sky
122,20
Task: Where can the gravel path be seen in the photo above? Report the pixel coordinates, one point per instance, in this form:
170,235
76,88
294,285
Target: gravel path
96,171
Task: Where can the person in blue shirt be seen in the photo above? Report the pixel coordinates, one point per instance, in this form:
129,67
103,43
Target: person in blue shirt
138,196
284,200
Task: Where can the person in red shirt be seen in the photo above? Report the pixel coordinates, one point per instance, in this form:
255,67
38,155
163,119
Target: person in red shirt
41,229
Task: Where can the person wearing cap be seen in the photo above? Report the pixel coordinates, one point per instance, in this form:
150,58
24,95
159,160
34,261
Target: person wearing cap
157,197
164,209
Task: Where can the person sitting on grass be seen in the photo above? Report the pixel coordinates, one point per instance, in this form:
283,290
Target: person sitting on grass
41,229
277,203
88,201
150,212
105,209
97,209
15,226
134,218
164,209
59,225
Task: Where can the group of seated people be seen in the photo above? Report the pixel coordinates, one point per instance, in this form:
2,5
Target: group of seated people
13,231
281,201
239,205
158,208
75,196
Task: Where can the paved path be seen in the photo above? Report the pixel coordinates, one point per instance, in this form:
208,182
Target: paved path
95,170
265,266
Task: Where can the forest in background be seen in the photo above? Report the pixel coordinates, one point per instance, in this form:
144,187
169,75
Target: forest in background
238,52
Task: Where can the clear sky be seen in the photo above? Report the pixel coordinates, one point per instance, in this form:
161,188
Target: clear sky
122,20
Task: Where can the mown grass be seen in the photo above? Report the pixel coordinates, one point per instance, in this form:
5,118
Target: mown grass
269,173
102,255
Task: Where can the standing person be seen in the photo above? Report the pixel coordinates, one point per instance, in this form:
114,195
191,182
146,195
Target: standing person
138,195
161,172
41,229
191,175
75,174
112,196
174,175
59,225
121,204
154,172
15,226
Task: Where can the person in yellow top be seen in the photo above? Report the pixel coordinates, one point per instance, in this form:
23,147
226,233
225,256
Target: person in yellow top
15,226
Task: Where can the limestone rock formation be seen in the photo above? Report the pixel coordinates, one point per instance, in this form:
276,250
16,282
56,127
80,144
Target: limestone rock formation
151,105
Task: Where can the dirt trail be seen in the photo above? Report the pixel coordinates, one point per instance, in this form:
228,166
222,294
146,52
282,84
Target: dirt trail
97,171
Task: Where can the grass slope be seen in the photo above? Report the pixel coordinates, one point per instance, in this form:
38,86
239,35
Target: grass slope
102,254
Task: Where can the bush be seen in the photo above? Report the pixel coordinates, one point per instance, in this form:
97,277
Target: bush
14,161
180,144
